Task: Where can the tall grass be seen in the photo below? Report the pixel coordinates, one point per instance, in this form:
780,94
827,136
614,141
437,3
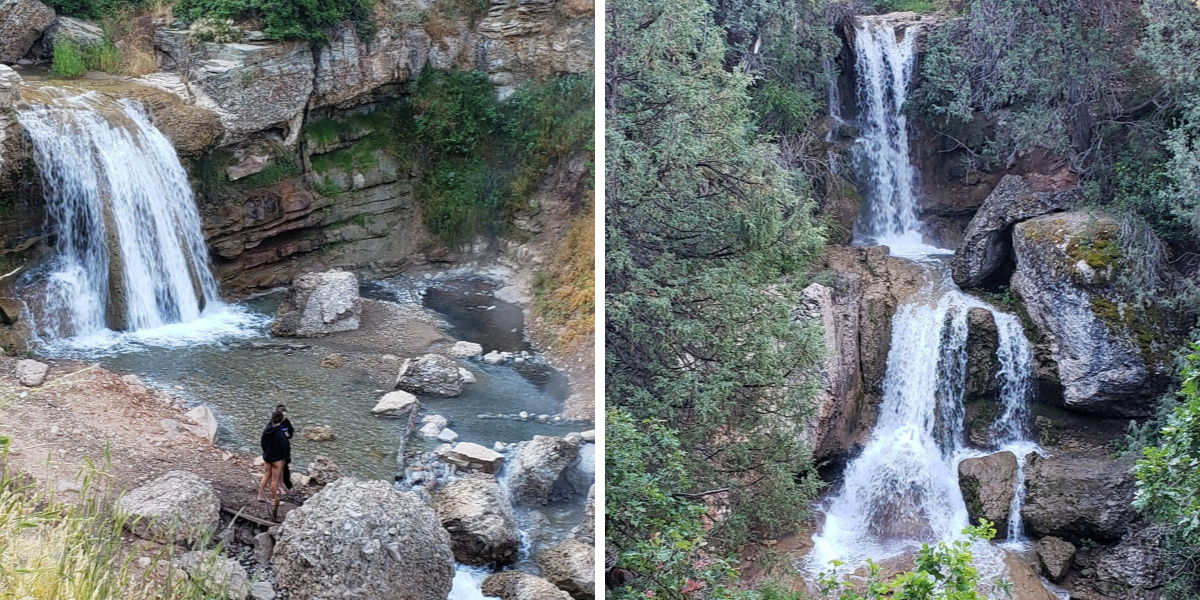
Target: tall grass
52,549
70,60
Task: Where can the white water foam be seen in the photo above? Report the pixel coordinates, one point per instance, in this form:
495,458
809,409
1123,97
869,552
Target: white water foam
467,583
129,253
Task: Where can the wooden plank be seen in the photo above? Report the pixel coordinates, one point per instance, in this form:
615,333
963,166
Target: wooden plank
241,514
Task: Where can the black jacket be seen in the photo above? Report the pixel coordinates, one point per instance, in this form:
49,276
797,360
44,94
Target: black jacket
275,444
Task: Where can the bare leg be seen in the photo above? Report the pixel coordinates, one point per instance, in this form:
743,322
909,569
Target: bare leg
264,482
276,480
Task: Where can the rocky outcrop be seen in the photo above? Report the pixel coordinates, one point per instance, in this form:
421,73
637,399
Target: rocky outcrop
987,242
1110,353
218,576
1024,581
537,467
1076,498
323,471
479,517
81,33
1055,555
253,87
515,585
1134,568
319,303
855,313
571,566
983,341
21,24
432,375
363,539
988,484
177,506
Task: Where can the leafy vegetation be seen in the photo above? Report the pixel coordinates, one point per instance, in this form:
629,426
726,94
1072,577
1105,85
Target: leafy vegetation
97,10
707,242
284,19
1168,482
565,293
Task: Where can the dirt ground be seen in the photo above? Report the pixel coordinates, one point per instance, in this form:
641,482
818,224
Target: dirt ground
85,414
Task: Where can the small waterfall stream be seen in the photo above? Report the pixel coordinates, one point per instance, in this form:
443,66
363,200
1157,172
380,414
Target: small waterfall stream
902,490
128,252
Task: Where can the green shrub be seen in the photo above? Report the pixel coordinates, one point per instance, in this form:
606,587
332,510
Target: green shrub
459,199
104,57
68,60
285,19
97,10
455,110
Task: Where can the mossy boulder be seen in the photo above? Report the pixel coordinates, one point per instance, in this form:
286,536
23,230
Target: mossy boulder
988,484
1111,352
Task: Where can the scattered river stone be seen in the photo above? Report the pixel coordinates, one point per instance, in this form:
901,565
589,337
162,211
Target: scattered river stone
318,433
396,404
493,358
1056,556
467,376
334,360
218,576
515,585
468,455
430,430
537,465
431,374
447,436
466,349
31,373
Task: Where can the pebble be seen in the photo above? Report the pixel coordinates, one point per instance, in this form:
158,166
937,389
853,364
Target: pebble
144,562
54,430
500,447
262,591
523,415
447,435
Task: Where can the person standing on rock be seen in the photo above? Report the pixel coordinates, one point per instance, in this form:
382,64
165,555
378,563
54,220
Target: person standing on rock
277,451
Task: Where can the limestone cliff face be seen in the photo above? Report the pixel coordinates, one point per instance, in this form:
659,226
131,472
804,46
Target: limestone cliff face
238,113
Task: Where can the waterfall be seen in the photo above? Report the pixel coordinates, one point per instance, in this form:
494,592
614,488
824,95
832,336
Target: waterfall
128,253
902,490
884,64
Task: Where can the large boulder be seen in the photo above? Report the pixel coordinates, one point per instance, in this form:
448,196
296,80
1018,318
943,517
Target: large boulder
81,33
363,539
515,585
571,566
988,485
537,466
479,517
177,506
431,374
319,303
1111,353
21,24
472,457
252,87
1055,555
987,241
1024,583
218,576
1078,498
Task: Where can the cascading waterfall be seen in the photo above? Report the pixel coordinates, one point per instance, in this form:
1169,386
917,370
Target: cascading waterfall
128,253
884,64
902,490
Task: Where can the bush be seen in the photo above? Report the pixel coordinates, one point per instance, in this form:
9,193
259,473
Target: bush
1168,483
459,199
285,19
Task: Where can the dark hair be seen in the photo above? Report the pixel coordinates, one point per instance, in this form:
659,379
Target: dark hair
280,408
277,417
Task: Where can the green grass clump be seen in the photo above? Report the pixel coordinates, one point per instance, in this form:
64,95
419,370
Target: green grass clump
68,61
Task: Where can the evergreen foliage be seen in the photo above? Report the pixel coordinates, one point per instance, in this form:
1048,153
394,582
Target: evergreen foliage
707,242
